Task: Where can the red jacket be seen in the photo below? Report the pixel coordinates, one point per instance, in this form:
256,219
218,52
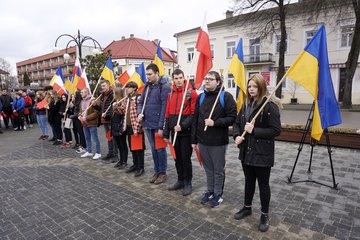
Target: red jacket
28,104
173,109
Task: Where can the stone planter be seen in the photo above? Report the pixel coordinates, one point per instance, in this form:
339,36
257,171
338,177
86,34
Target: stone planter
336,139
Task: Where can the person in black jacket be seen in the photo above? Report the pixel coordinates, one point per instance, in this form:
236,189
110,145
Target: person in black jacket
6,101
257,148
77,127
54,117
212,143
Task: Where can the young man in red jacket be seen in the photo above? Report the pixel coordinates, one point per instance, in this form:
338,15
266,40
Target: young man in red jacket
183,149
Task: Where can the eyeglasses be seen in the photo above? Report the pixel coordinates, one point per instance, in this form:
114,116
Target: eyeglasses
209,79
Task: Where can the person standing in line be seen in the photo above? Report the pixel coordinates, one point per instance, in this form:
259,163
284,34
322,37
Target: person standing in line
183,149
152,118
257,149
28,109
89,120
41,116
77,127
213,142
54,117
6,100
18,111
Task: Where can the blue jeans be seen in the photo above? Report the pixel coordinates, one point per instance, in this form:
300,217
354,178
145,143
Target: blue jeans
91,132
159,155
41,120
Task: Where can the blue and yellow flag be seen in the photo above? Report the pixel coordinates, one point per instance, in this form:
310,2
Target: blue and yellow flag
139,77
311,70
108,72
237,69
158,60
69,85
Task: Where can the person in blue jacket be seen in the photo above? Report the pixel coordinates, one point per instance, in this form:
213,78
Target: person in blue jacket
153,99
18,111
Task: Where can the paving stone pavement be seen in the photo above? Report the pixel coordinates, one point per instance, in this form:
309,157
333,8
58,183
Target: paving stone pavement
50,193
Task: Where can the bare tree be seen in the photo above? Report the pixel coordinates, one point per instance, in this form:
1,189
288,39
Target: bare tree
5,66
269,21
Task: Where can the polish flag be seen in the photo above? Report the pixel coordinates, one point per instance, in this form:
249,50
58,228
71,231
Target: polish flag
124,78
83,81
205,58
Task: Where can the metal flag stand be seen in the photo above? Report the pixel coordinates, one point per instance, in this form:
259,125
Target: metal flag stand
312,144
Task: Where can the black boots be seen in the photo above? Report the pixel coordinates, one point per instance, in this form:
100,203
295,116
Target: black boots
264,222
243,213
178,185
187,188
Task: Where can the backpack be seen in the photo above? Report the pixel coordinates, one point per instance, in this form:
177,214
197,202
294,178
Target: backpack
221,99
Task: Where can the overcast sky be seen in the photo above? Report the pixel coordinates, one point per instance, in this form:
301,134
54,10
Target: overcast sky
30,28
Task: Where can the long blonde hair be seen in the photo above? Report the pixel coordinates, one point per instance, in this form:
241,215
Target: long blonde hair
261,84
56,98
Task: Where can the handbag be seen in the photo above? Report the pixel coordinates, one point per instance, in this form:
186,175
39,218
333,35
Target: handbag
68,123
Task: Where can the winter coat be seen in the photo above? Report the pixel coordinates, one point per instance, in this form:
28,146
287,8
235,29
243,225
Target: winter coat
38,111
173,106
132,110
6,102
258,147
18,104
155,106
54,111
105,101
223,116
28,105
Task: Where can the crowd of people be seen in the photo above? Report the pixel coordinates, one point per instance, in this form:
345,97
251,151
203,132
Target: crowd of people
171,113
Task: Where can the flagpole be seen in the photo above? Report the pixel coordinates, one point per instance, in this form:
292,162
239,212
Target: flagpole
264,104
213,107
183,99
146,95
111,103
90,105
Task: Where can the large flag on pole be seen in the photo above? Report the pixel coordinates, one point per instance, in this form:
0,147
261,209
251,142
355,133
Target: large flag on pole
108,72
126,75
76,74
158,60
139,77
57,82
69,86
311,70
237,69
205,59
83,81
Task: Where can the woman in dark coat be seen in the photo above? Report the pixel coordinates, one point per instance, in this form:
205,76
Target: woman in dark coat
54,117
257,148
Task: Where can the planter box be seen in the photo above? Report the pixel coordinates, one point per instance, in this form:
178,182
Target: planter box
336,139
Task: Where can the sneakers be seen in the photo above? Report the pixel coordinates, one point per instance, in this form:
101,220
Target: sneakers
161,178
216,200
76,146
97,156
81,150
107,157
206,197
131,169
57,142
264,222
139,172
243,213
86,154
178,185
45,137
66,145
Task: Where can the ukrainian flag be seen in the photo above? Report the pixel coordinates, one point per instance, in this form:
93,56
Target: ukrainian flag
158,60
108,72
311,70
139,77
237,69
69,85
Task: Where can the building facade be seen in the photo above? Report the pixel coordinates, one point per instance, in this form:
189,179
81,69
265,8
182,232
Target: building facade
134,51
41,69
261,53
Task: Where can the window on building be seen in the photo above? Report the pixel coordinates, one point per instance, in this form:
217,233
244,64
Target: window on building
190,54
169,72
309,35
254,49
231,82
277,42
212,50
230,49
346,36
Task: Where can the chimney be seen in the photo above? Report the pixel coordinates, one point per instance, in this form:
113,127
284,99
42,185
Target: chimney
156,41
132,35
123,38
229,14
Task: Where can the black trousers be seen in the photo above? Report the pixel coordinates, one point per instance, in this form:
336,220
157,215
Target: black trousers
79,133
67,133
183,151
19,120
57,128
138,155
262,174
122,146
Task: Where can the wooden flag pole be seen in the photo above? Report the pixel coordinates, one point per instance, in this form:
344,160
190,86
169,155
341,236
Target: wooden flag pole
264,104
146,95
82,114
183,99
111,104
213,107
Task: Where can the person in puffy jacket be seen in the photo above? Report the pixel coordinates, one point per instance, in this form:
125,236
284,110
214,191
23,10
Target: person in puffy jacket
18,111
257,147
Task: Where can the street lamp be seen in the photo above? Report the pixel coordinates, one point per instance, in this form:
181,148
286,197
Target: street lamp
78,40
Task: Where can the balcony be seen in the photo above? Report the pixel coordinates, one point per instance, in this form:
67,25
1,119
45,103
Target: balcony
259,59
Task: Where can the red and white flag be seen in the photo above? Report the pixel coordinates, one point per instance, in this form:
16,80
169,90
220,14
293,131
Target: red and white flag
124,78
205,59
83,81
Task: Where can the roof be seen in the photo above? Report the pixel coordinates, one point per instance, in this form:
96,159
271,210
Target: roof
46,57
3,72
136,48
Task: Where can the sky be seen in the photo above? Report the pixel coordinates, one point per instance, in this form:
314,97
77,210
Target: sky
29,28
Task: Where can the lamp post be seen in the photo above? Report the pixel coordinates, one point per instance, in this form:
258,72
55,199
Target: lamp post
79,41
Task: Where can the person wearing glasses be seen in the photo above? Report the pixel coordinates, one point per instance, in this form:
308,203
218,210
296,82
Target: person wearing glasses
213,141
